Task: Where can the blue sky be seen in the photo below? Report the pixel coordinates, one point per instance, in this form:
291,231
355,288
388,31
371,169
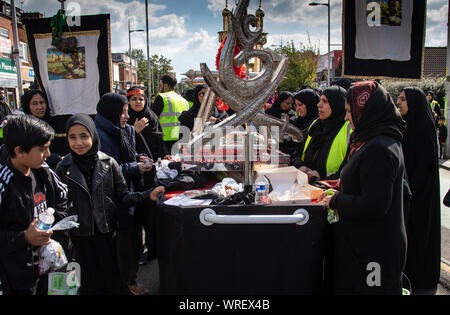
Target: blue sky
186,30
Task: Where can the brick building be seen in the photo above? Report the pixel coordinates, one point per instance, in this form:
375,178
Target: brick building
122,73
8,70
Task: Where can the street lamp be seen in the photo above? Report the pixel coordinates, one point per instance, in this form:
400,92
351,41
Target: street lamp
329,51
129,48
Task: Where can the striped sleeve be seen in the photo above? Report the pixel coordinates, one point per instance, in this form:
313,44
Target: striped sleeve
61,188
5,177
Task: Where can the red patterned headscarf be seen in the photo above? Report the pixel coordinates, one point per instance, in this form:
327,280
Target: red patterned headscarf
361,93
373,113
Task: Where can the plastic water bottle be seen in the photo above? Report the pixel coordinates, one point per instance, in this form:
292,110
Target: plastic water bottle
1,290
261,190
46,219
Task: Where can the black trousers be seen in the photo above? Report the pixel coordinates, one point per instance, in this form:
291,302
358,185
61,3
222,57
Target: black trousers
129,249
99,271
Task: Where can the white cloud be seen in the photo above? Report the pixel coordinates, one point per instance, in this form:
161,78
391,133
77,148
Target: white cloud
285,19
216,5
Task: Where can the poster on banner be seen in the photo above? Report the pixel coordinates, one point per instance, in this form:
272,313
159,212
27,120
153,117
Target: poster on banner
65,75
72,81
383,39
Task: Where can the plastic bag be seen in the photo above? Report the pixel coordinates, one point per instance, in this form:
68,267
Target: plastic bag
59,284
66,224
51,257
163,171
227,187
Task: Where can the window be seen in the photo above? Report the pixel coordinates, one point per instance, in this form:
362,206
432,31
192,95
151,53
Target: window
23,51
7,10
4,32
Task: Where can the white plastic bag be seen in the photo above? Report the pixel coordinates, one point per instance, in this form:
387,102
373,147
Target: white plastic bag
163,171
227,187
66,224
51,257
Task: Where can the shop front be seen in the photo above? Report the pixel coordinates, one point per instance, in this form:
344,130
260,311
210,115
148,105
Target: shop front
8,80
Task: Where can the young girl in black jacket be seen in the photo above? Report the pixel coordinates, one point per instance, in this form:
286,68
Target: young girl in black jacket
96,187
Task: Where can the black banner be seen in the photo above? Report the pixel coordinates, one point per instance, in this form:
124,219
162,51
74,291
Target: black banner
101,23
388,67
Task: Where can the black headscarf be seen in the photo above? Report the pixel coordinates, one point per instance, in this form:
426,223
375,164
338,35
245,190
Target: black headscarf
152,133
331,126
373,113
187,118
310,99
86,163
419,120
110,107
25,100
196,103
323,132
275,110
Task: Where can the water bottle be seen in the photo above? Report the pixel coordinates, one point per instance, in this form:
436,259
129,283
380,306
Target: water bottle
46,219
1,290
261,190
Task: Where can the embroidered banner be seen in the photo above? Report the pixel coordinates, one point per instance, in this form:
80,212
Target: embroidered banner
383,39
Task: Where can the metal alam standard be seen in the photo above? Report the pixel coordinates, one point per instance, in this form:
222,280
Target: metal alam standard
246,97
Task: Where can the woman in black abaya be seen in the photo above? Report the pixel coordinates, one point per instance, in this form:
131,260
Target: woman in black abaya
149,135
423,220
370,235
283,105
327,139
306,105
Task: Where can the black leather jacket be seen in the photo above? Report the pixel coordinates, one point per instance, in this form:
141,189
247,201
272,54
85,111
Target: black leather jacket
102,203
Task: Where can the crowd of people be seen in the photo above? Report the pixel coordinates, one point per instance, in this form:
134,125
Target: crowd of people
381,155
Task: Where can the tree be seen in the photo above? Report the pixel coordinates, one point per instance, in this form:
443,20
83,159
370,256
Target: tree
138,55
302,65
159,66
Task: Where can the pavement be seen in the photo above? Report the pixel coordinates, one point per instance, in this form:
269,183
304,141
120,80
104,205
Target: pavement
445,241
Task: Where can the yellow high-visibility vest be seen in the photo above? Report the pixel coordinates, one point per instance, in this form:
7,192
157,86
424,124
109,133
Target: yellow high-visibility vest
433,105
174,105
338,148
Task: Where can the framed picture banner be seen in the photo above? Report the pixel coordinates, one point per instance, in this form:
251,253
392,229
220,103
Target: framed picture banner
383,39
73,82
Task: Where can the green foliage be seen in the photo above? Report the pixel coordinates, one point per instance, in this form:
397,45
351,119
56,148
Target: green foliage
437,85
302,65
159,66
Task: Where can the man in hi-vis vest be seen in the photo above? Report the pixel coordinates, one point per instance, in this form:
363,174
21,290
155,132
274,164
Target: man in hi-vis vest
168,106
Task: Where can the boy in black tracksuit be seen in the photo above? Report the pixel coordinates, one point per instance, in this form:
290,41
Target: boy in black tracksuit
27,188
442,132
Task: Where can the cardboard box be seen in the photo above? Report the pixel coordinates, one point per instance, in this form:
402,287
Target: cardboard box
284,179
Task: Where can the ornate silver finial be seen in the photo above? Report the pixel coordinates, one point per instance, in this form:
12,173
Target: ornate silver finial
247,97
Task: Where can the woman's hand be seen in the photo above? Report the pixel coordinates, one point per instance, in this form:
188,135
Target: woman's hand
145,166
140,125
326,196
304,169
154,194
